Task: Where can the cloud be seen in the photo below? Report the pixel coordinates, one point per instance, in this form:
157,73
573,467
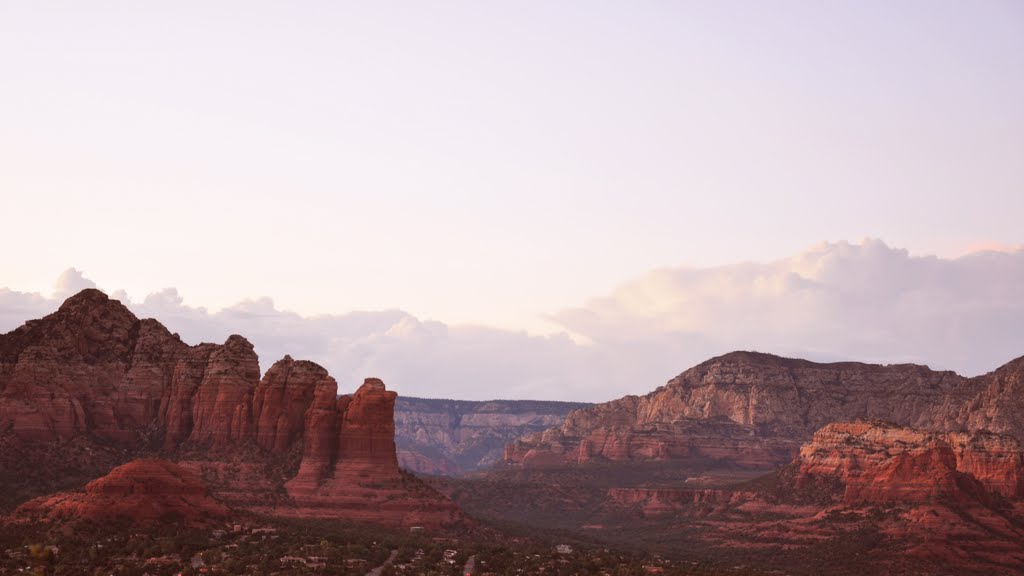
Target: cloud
71,282
834,301
863,301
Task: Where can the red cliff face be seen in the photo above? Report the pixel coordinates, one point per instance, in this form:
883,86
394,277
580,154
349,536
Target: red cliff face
776,404
92,370
282,399
222,406
996,460
350,469
999,406
883,463
352,439
367,441
320,443
91,367
143,491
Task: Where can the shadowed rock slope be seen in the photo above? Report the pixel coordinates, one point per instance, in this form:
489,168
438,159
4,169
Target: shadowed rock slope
142,491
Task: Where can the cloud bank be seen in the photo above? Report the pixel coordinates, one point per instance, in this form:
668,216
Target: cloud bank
836,301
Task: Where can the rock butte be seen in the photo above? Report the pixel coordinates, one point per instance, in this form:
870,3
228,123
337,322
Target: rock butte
756,410
93,369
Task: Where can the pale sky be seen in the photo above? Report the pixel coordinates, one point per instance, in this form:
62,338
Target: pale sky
492,163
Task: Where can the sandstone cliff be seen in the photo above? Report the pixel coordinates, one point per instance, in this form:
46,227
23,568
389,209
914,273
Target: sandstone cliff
453,437
883,463
778,402
92,376
926,502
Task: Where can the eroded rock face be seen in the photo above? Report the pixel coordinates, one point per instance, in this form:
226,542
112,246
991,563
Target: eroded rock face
282,399
367,441
996,460
92,370
780,402
142,491
351,470
884,463
90,367
999,406
453,437
222,406
717,439
320,444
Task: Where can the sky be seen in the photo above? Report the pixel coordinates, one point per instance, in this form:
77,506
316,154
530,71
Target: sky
514,169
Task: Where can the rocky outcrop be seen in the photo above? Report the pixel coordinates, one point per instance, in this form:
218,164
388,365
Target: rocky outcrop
141,491
222,406
75,371
366,444
351,439
93,368
350,468
282,399
780,402
995,460
999,406
92,372
320,444
454,437
879,463
712,440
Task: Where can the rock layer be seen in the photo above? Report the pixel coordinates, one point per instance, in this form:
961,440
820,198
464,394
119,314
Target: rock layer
282,399
93,370
884,463
454,437
780,402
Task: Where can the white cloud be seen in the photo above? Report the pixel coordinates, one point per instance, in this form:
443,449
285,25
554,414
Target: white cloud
863,301
71,282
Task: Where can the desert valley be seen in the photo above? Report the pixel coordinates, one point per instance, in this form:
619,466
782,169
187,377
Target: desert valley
125,450
505,288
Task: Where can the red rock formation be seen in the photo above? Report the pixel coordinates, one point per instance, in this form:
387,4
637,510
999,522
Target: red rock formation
143,491
352,440
320,444
455,437
996,460
880,463
92,369
778,401
717,439
999,406
366,446
282,399
222,407
354,473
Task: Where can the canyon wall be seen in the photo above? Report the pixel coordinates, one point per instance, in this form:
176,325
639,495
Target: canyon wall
776,404
454,437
